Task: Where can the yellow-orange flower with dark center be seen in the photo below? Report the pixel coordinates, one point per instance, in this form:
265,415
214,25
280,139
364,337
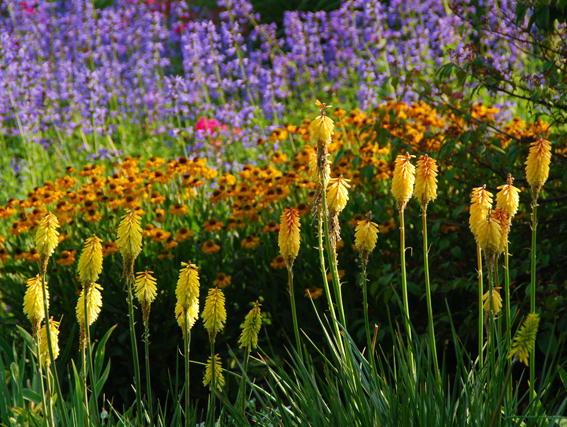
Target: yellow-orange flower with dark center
250,242
337,194
67,258
481,201
403,180
425,182
178,209
537,164
278,262
289,235
213,225
222,280
210,247
184,234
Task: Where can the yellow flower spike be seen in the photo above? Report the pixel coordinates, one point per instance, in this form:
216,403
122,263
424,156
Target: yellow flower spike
47,237
94,304
146,291
489,234
314,170
366,235
90,263
187,285
130,240
322,128
251,328
403,180
288,238
43,343
481,202
524,340
192,315
33,302
214,314
425,182
508,197
496,301
337,194
503,218
219,378
537,164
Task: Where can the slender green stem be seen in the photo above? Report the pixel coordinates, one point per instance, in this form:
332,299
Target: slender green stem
366,320
507,298
497,409
148,378
533,292
242,391
326,282
428,295
331,254
212,409
490,264
480,308
405,282
135,354
187,342
40,369
60,400
86,290
293,310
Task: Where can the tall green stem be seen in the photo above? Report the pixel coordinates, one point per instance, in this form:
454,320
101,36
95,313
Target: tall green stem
507,297
293,310
331,254
135,354
60,400
326,282
187,343
490,264
148,378
533,291
212,409
428,295
242,391
366,320
40,369
85,347
480,308
404,280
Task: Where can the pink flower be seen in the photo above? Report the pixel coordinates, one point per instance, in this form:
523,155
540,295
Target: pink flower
209,125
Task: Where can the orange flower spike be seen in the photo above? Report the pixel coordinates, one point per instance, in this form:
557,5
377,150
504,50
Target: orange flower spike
289,235
426,181
403,181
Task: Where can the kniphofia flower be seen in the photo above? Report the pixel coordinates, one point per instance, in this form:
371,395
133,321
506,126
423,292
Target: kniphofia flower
503,218
33,302
214,313
90,263
337,194
537,164
251,328
192,313
130,240
508,197
288,238
218,376
44,357
366,235
496,301
47,236
524,340
403,180
489,234
322,128
187,285
94,305
481,202
146,291
426,181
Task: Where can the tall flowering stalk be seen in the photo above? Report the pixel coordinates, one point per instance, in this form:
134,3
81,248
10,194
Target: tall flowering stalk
366,235
214,318
288,241
489,238
322,129
186,313
537,172
130,245
425,192
481,201
146,292
249,340
90,267
402,189
508,198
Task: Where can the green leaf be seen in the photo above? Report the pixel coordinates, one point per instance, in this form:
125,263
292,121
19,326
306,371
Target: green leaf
31,396
542,18
100,351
